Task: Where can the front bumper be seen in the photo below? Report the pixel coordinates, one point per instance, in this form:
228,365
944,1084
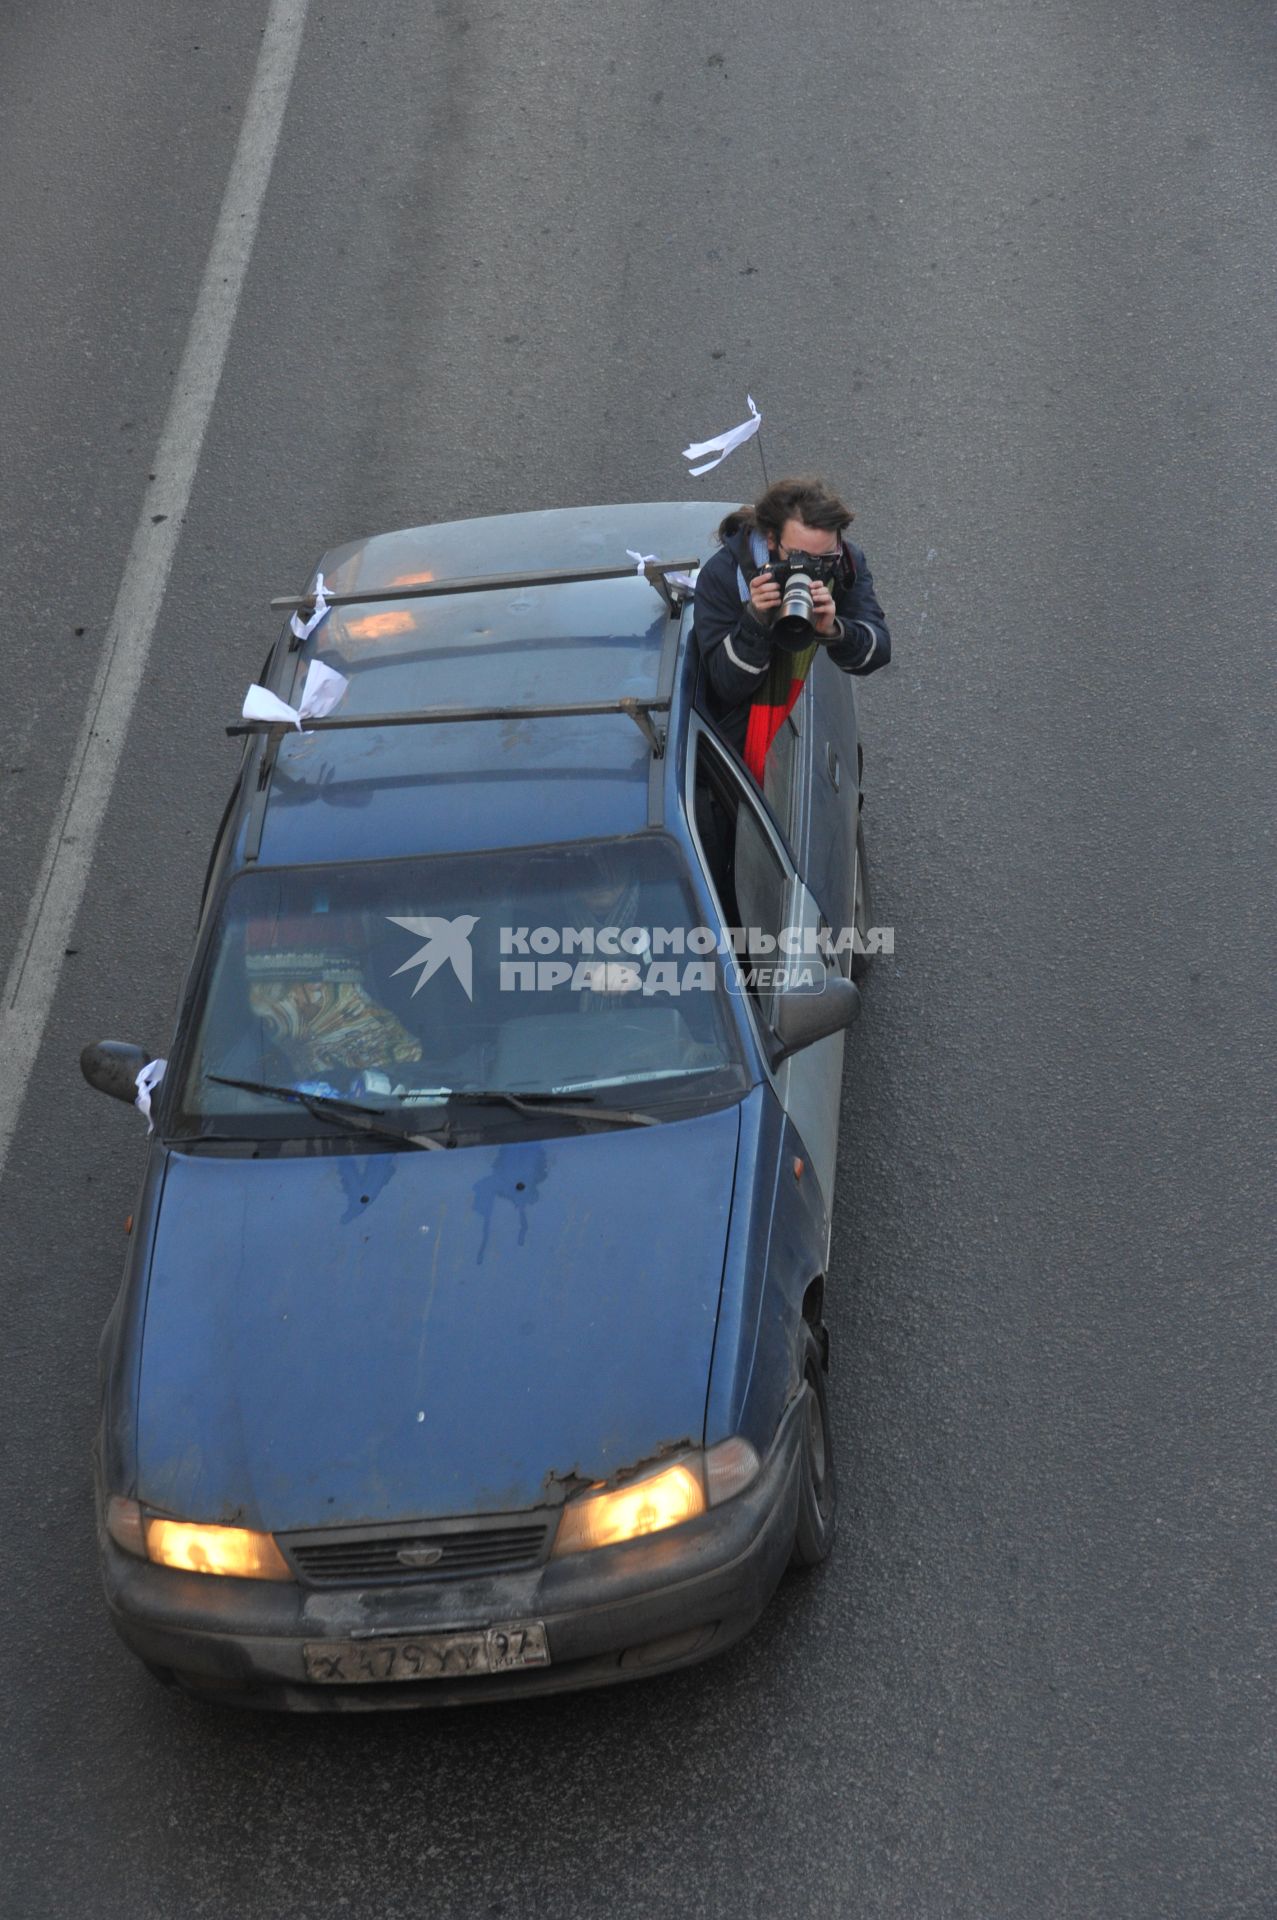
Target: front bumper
617,1613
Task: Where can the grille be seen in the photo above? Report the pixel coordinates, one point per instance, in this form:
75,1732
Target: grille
366,1557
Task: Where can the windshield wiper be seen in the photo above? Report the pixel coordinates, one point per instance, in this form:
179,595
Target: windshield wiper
573,1105
339,1113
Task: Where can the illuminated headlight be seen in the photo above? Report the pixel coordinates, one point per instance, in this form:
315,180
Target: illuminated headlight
194,1549
664,1499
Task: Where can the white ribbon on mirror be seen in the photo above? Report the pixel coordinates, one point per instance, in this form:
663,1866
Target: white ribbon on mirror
148,1078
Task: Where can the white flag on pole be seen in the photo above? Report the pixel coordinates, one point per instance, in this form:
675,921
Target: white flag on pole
724,443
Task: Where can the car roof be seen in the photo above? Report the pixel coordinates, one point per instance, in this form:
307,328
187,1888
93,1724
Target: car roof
380,792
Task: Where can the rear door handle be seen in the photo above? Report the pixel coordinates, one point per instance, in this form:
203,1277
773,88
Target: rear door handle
835,772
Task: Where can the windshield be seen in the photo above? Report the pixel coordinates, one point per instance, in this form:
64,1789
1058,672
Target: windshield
404,985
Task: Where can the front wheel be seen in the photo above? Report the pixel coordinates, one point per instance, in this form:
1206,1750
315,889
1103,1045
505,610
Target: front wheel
818,1483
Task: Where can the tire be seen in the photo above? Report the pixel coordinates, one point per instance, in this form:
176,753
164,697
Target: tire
862,910
818,1482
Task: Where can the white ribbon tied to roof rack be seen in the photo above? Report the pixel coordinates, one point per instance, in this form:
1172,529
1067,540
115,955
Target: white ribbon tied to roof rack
302,629
687,581
323,690
724,443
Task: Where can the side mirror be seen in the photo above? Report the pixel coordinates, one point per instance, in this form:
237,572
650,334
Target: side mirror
807,1014
112,1066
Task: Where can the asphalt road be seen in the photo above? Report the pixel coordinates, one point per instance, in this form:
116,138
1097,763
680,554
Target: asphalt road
1006,273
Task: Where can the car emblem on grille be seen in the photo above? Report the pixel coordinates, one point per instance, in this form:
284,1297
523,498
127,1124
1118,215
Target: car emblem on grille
419,1556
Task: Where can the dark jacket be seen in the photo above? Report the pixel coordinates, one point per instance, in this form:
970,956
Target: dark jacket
735,649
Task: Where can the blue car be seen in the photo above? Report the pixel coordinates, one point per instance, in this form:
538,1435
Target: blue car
471,1338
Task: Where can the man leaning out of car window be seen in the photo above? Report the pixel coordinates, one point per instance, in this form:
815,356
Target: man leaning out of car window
756,666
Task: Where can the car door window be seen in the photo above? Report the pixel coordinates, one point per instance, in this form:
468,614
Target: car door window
751,881
780,771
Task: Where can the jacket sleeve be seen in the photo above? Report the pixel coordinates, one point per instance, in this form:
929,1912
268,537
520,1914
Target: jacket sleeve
734,648
866,643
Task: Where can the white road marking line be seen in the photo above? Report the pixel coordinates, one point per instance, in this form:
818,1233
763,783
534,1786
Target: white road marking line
37,965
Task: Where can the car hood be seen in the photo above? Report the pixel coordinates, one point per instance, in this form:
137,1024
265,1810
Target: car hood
353,1338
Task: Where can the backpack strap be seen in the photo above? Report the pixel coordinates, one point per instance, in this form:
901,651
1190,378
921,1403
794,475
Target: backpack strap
760,554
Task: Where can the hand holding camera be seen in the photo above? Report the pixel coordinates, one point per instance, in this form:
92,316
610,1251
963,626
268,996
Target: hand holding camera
792,597
764,596
824,615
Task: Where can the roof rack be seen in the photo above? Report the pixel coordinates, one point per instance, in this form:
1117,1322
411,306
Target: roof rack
640,709
655,572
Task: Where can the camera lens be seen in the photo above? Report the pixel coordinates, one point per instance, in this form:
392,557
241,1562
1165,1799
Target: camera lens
793,623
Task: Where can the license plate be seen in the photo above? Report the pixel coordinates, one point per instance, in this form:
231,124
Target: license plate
427,1656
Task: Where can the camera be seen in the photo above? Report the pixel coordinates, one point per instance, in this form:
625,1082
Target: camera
792,626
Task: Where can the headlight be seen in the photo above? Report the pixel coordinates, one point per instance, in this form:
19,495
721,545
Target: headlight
195,1549
665,1499
601,1519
